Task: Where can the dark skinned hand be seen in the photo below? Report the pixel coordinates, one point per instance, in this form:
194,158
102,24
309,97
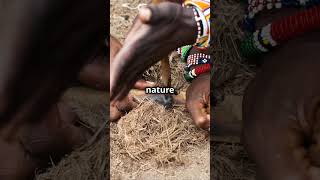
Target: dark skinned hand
158,30
118,108
198,100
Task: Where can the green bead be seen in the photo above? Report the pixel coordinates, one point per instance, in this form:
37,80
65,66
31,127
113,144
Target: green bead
212,72
188,77
184,52
248,48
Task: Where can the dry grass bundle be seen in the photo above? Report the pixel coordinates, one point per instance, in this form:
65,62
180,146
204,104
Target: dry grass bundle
152,135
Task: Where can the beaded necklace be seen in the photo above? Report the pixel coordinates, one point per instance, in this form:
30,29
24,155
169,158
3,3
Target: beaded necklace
266,38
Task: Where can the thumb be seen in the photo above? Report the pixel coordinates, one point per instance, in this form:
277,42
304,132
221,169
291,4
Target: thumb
142,84
197,111
153,14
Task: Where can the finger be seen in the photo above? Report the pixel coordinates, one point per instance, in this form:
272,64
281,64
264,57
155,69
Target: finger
115,114
142,84
120,108
126,104
122,68
125,71
164,11
198,113
115,47
120,81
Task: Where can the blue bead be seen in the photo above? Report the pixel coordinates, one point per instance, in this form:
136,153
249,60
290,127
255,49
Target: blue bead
249,24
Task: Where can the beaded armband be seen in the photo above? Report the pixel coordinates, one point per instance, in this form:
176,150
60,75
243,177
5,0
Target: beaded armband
201,10
263,40
203,63
256,6
184,52
282,30
196,59
190,75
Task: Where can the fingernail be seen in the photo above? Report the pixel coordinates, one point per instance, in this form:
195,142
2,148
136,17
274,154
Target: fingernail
151,83
145,14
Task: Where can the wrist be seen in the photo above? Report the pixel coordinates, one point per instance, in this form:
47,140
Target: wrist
201,13
190,25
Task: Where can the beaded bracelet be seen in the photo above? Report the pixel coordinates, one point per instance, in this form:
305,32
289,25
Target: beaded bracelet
190,75
282,30
256,6
196,59
184,52
201,10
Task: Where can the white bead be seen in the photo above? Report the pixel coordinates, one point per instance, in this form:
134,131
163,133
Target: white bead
278,5
269,6
251,14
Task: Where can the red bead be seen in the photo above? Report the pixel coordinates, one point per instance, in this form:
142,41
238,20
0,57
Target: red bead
291,26
202,69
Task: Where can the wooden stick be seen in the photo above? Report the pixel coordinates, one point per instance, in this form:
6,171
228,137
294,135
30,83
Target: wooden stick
165,64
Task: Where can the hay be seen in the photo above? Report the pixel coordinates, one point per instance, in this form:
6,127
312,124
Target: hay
152,135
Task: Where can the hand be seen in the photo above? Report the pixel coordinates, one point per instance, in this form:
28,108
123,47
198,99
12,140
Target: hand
121,107
198,100
158,30
15,162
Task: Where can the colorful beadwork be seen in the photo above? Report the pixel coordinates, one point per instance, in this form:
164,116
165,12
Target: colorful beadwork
184,52
190,75
201,9
196,59
202,61
256,6
282,30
